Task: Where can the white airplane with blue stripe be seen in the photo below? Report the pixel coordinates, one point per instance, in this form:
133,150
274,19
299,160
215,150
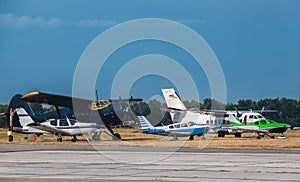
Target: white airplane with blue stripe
190,129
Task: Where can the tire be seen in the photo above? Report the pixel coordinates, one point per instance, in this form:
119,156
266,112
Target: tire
238,135
74,139
117,136
59,138
221,134
10,138
191,137
96,137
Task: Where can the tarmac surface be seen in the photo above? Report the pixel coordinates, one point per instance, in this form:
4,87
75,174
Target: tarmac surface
117,163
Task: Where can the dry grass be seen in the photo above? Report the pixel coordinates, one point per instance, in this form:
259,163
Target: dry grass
134,137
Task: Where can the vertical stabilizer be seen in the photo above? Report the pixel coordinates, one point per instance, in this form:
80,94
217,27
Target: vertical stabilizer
145,124
17,102
232,119
24,118
173,100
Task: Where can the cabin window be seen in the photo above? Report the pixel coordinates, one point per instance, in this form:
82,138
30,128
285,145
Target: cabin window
63,122
251,117
263,122
184,125
191,123
177,126
53,123
72,122
171,126
256,123
207,122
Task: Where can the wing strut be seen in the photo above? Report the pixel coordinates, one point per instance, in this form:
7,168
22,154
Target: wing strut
58,112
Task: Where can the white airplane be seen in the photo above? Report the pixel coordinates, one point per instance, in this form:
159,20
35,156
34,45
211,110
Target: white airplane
245,117
179,112
190,129
58,127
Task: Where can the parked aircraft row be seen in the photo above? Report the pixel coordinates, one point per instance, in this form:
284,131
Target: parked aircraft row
93,116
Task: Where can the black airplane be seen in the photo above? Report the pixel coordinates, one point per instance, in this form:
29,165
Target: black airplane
83,110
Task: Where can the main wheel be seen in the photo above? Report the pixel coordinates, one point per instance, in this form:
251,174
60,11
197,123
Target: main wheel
221,134
96,137
74,139
10,138
238,135
117,136
191,137
59,138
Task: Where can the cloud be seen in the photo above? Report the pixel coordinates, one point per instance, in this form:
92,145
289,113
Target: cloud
12,21
96,23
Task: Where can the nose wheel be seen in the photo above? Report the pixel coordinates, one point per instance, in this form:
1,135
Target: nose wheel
59,138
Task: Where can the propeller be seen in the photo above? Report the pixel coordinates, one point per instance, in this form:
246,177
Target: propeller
237,112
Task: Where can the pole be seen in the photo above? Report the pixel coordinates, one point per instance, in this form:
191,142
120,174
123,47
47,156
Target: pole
10,129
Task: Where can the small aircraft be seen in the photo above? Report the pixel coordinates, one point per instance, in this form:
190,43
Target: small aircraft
262,127
190,129
59,127
101,112
179,113
246,117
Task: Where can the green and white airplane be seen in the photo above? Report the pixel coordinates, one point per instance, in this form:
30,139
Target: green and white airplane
262,127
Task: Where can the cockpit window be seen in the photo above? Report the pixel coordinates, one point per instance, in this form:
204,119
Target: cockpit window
251,117
263,122
259,116
53,123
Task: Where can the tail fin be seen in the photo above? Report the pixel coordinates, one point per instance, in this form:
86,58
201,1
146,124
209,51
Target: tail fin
23,116
145,124
17,102
172,99
232,119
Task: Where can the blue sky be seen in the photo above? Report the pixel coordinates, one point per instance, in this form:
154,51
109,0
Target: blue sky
256,42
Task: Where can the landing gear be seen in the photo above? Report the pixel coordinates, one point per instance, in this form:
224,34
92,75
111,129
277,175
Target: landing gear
238,135
117,136
10,138
175,137
74,139
96,137
191,137
59,138
221,134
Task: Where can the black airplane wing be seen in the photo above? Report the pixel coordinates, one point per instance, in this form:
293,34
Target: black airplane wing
54,99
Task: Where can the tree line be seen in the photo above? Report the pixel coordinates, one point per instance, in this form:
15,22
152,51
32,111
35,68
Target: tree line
288,110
